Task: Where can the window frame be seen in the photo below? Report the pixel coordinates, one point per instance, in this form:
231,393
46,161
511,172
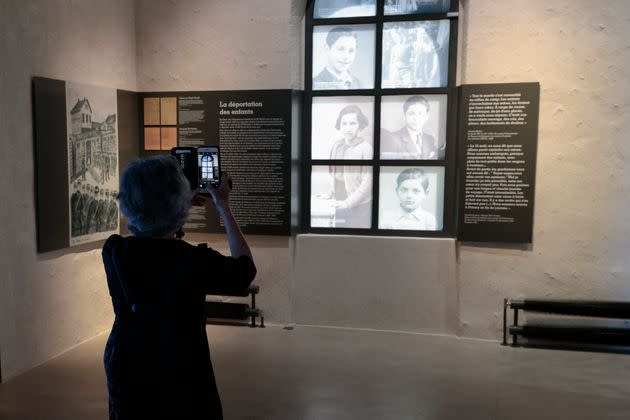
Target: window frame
377,92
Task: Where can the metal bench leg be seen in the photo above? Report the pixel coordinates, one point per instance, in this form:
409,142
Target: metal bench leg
253,313
514,336
505,305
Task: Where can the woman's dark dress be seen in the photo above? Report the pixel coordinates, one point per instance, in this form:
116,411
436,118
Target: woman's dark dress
157,359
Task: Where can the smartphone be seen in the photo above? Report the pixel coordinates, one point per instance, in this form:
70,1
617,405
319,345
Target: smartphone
209,168
187,158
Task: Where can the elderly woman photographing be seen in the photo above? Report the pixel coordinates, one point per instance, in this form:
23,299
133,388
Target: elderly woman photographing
157,359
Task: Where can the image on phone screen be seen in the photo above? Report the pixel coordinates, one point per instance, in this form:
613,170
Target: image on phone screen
208,163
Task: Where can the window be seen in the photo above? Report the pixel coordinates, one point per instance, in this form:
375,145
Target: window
207,167
380,135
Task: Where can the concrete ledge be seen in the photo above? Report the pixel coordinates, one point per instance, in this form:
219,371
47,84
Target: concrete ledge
389,283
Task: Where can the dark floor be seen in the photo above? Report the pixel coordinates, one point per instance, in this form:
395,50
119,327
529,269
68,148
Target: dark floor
322,373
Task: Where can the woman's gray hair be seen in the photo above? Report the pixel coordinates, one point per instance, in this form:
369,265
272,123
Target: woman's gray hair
155,196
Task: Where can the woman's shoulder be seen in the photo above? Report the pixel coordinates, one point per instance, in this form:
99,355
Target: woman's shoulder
138,243
113,241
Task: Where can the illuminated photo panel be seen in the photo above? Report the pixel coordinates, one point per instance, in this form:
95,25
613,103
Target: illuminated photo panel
411,198
341,196
415,54
404,7
342,127
343,57
413,127
326,9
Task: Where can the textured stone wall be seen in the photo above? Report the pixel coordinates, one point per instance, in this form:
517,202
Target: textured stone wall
219,45
579,51
52,301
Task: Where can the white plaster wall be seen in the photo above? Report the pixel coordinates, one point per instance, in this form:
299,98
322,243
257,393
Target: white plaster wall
53,301
579,51
219,45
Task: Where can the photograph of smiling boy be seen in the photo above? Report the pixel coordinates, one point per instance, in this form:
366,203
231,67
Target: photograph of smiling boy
342,127
411,198
343,57
413,127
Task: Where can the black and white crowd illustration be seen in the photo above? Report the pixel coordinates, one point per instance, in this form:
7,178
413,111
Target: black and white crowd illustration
92,162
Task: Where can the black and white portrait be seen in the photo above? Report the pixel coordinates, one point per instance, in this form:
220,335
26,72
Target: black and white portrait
342,127
92,128
341,196
325,9
411,198
343,57
413,127
415,54
403,7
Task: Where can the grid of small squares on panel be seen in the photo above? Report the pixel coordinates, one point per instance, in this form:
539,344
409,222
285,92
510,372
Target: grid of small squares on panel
160,123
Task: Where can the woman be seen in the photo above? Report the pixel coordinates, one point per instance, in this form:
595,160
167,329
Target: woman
341,49
352,185
157,359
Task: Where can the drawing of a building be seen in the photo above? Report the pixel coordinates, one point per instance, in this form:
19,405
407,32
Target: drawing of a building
93,144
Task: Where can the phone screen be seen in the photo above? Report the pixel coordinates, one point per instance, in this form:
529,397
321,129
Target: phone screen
208,164
186,158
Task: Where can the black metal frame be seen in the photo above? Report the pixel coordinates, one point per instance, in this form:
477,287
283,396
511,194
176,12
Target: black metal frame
449,163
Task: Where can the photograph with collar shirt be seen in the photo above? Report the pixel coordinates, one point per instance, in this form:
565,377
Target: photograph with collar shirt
413,127
343,57
411,198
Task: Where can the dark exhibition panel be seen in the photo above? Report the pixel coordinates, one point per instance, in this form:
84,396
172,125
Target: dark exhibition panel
51,157
498,141
254,130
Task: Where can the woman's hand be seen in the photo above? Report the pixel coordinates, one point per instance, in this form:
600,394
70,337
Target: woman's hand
340,204
221,194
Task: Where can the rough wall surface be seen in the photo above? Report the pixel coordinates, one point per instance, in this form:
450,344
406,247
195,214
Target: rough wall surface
53,301
403,284
218,45
579,51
